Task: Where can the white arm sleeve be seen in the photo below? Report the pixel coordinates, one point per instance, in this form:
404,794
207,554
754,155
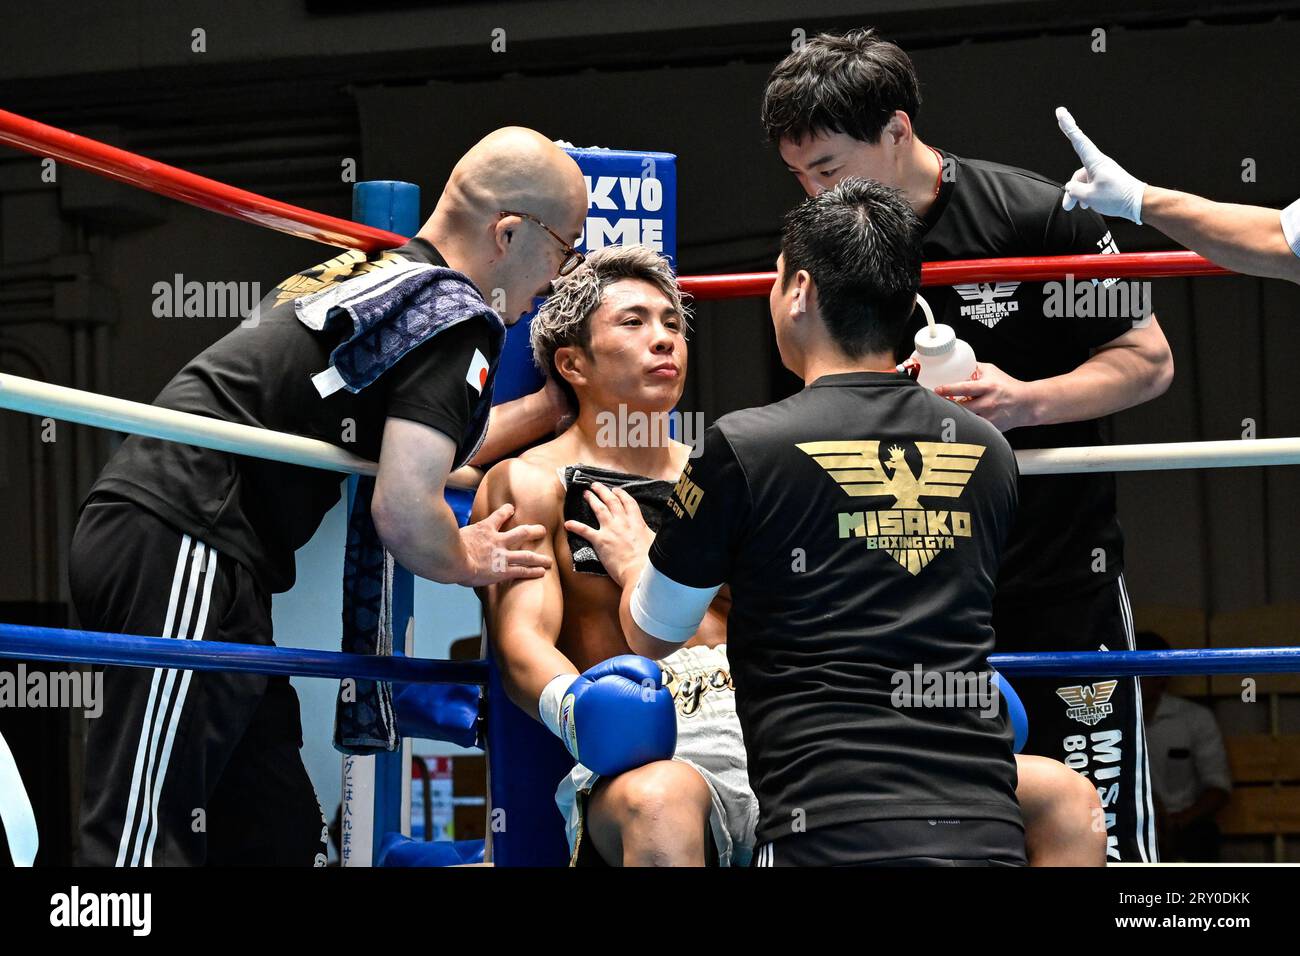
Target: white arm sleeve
667,610
1291,226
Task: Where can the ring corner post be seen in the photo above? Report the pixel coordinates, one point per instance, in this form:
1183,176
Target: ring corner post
379,786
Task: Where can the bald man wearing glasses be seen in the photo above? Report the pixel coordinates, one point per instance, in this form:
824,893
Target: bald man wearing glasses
191,543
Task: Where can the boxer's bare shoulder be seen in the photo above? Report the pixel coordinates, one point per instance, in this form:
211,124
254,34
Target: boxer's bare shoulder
531,482
589,631
534,491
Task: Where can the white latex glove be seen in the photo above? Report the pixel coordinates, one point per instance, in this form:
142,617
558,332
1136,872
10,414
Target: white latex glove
1102,184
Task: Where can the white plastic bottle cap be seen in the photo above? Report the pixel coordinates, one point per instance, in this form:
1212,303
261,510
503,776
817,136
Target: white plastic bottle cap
937,339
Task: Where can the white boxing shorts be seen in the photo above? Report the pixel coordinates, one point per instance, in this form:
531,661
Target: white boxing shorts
708,739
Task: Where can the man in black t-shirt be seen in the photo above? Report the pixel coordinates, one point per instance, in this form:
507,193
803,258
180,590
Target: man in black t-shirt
1053,359
859,525
192,767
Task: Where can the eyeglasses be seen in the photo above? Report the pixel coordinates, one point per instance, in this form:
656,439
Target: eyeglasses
572,257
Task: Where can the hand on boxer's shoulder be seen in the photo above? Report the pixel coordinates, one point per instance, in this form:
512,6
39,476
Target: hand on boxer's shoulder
1102,185
493,555
615,716
622,541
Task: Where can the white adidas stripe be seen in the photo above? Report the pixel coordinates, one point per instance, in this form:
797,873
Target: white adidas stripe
209,576
1146,817
164,706
133,798
153,751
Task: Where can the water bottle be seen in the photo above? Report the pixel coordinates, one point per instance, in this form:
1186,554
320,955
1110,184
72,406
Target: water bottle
943,358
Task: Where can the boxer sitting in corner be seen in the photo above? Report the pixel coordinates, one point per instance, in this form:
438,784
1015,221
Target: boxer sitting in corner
613,337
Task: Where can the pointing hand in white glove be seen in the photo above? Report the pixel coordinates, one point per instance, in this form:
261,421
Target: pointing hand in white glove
1102,184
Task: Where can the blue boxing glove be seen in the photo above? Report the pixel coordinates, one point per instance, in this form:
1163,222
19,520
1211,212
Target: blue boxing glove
616,716
1015,710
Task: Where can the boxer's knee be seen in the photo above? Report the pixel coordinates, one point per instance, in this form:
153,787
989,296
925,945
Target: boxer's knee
655,815
1086,821
1065,824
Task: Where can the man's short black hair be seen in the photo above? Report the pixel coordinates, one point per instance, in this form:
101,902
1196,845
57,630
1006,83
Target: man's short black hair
861,243
840,84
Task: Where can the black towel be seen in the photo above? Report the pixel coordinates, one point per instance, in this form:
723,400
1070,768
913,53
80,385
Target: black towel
650,493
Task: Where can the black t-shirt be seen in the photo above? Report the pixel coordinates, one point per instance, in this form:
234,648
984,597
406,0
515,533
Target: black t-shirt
989,211
859,524
259,512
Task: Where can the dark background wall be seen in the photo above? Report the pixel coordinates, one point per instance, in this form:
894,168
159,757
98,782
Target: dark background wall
286,92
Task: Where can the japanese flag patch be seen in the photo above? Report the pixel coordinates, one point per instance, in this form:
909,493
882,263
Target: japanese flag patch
477,373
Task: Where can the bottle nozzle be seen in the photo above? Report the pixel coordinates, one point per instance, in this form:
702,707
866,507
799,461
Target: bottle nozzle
929,316
935,339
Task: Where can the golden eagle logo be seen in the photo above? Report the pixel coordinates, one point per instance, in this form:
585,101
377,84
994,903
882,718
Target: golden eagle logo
912,536
946,467
347,265
1088,703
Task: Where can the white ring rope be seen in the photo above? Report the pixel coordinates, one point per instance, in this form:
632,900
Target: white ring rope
102,411
117,414
1161,456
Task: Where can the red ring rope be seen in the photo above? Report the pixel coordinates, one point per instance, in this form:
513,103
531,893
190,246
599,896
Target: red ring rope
155,177
147,174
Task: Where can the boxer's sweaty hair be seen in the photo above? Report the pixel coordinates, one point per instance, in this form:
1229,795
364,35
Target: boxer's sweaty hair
861,243
565,318
848,84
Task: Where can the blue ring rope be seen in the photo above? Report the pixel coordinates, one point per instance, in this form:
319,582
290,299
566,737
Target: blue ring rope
92,647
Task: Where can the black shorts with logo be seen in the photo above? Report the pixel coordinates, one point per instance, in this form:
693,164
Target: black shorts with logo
919,842
1092,724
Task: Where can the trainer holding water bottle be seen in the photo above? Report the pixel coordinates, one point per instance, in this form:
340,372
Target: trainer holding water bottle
843,106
